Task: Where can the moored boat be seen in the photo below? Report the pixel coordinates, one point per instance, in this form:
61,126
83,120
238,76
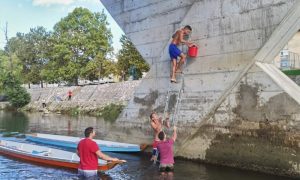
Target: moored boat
9,134
47,156
71,142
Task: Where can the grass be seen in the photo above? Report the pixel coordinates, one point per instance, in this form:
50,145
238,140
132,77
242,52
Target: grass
292,72
110,112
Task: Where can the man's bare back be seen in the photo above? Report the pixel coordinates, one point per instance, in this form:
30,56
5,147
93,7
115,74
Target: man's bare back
176,37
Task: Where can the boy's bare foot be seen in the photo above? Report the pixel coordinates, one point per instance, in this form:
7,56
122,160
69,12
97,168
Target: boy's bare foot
173,81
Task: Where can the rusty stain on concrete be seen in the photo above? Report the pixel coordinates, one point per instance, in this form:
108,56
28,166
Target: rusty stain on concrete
268,149
258,139
148,100
279,107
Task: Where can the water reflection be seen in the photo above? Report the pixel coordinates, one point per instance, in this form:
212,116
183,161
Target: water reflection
66,125
13,121
74,126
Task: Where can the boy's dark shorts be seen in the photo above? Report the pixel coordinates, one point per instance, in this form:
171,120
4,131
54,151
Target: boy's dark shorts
174,51
166,168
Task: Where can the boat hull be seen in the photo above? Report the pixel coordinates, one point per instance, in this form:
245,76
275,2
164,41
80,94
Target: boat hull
58,143
73,145
47,161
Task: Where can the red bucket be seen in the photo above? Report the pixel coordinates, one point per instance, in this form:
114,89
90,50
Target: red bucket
193,51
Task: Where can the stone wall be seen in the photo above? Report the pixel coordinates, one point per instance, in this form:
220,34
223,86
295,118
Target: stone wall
237,109
88,97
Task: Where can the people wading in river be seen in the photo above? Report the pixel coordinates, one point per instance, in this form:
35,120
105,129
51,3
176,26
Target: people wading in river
88,151
157,124
165,148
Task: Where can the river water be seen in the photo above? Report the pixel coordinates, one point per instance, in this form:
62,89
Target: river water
137,167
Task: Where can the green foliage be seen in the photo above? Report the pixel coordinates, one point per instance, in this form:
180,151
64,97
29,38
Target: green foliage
128,57
7,65
17,95
111,112
74,111
32,49
78,47
81,43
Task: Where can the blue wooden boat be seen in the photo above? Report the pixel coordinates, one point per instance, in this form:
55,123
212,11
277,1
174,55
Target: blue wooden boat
71,142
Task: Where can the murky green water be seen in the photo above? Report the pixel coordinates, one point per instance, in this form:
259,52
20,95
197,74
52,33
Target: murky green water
137,167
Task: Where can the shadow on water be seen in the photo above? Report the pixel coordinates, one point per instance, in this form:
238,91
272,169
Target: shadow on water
13,121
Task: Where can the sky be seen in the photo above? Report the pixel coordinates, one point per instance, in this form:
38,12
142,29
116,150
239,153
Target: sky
21,15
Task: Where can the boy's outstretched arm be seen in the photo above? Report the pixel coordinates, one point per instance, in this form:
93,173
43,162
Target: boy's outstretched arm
174,134
167,120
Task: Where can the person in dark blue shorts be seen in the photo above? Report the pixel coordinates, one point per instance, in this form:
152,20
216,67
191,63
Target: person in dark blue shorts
174,52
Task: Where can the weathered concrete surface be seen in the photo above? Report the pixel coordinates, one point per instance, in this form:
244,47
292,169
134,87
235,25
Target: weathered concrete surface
89,98
294,44
232,112
295,78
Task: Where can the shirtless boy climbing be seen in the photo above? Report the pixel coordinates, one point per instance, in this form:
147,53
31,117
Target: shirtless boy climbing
177,39
157,126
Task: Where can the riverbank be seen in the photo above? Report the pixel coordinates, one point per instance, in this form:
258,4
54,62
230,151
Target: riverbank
94,100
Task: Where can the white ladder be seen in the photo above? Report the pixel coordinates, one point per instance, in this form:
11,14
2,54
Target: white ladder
178,100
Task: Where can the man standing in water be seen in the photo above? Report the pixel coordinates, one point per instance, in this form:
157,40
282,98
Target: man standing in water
88,151
177,39
165,147
156,124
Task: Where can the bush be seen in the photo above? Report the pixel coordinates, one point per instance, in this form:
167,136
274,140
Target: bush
74,111
17,95
111,112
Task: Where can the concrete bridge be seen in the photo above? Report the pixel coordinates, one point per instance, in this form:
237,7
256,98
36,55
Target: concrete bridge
237,108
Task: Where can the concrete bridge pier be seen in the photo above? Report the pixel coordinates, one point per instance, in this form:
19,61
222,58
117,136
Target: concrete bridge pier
237,109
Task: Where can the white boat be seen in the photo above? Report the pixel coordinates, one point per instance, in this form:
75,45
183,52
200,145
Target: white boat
71,142
47,156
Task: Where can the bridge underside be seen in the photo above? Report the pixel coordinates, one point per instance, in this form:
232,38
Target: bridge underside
237,108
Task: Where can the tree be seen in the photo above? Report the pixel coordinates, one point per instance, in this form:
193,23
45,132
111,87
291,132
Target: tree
8,50
9,63
128,57
3,59
81,43
5,64
33,51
